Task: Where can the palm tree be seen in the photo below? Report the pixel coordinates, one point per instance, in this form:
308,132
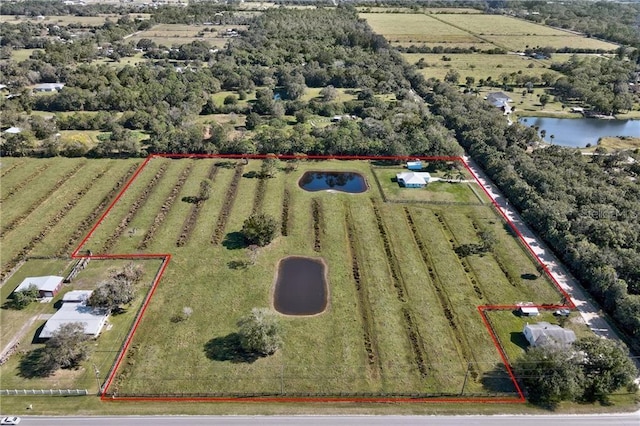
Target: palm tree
551,137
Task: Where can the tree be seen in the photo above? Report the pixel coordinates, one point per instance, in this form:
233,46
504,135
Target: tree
544,99
328,93
269,166
489,239
606,365
205,190
67,347
470,80
549,375
22,299
119,289
452,76
112,294
259,229
260,332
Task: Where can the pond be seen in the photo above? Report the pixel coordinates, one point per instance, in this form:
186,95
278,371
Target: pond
578,132
301,286
350,182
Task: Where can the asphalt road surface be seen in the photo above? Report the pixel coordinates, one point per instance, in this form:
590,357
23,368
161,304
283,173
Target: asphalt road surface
631,419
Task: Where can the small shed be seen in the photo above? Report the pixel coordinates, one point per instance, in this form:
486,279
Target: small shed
414,165
77,296
48,286
528,311
543,333
413,179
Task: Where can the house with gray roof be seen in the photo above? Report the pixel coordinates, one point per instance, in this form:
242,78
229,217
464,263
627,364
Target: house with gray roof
543,333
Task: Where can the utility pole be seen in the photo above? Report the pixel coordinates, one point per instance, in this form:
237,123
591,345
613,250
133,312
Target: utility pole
97,373
282,378
466,376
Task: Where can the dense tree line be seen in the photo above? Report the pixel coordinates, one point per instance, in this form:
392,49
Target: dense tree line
586,208
614,21
601,83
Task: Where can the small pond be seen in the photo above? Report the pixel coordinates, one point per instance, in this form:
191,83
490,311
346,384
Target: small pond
578,132
301,286
350,182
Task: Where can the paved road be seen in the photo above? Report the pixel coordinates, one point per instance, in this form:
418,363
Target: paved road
589,312
632,419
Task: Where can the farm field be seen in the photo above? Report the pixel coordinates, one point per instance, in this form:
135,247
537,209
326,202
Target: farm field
387,329
478,65
475,30
178,34
416,29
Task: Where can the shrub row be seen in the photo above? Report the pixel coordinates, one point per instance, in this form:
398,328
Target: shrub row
10,169
194,213
413,335
445,304
18,220
88,221
229,199
166,207
53,221
316,214
286,216
24,182
370,342
140,201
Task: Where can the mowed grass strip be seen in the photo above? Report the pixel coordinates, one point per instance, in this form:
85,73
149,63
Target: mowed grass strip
446,365
141,223
18,176
121,209
399,371
476,342
21,240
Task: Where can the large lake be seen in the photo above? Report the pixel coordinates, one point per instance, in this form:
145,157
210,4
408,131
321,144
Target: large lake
578,132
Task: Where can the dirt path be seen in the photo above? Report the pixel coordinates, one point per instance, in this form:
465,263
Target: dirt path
589,310
20,334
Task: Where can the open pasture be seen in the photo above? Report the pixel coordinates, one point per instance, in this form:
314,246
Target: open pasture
478,65
403,291
573,41
179,34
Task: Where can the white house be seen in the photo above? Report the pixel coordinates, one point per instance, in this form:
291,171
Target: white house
93,319
413,179
500,100
48,87
544,333
48,286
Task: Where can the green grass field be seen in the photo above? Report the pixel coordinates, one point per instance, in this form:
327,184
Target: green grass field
414,299
178,34
478,66
415,28
396,281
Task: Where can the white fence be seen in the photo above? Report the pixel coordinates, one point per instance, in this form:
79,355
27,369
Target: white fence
51,392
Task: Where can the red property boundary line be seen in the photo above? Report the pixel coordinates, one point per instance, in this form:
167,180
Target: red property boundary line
166,258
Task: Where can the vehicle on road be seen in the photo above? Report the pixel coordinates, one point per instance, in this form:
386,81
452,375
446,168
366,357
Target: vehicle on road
12,420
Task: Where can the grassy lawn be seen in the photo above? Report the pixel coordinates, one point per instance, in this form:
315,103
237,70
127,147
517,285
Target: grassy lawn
434,192
616,144
522,42
415,298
